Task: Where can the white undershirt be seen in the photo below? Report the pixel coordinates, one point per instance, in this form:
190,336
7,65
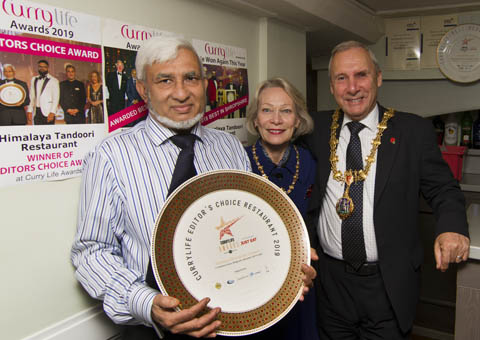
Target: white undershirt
119,79
38,90
330,224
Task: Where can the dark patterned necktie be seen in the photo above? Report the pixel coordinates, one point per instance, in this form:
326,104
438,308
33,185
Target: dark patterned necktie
184,170
353,244
184,167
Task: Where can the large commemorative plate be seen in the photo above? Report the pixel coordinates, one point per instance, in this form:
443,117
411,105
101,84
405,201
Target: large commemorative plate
458,53
12,94
236,238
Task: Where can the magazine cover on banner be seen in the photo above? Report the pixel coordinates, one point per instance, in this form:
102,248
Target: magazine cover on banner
121,42
227,91
49,65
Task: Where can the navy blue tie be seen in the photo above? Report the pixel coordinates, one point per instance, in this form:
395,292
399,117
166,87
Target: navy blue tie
353,243
184,170
184,167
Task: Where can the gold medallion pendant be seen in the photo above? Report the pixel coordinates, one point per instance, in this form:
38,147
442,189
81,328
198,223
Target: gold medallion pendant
345,204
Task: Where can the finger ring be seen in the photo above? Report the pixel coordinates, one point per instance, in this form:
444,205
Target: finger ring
459,257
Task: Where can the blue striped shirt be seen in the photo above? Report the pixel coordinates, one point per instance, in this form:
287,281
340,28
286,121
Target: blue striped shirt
125,184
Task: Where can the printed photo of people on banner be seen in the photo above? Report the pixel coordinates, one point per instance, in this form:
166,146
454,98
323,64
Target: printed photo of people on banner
47,116
64,87
227,91
122,40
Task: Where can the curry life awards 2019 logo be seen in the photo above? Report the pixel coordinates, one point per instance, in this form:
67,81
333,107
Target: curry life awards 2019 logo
226,237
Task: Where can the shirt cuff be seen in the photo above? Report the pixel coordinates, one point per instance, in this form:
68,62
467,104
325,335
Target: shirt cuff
141,301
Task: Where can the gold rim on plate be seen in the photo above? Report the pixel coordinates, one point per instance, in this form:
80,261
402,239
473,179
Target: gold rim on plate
166,268
12,94
458,53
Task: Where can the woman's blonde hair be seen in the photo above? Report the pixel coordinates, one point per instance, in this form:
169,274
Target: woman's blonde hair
306,122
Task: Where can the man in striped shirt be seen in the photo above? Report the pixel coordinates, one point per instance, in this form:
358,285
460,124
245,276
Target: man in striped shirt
125,184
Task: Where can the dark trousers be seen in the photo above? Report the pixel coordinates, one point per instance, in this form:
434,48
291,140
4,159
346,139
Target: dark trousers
13,116
79,118
40,119
148,333
354,305
115,105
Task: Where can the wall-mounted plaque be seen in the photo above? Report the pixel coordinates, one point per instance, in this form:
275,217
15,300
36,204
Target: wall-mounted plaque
458,53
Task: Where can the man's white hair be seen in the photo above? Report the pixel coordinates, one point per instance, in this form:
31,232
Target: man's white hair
9,65
159,50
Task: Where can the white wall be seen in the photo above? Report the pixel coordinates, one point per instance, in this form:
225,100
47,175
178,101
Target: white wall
426,92
286,54
425,97
38,288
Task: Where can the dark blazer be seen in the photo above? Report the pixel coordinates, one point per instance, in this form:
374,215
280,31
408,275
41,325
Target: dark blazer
73,96
300,322
132,93
116,99
282,176
409,163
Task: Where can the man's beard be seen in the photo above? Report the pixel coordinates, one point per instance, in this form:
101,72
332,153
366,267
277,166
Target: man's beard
172,124
43,73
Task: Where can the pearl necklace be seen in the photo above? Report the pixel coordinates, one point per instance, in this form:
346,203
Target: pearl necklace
297,168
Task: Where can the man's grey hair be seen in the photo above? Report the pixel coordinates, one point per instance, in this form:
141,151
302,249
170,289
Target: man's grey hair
159,50
347,45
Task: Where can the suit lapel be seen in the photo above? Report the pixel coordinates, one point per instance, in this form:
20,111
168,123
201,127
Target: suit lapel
323,155
44,84
386,154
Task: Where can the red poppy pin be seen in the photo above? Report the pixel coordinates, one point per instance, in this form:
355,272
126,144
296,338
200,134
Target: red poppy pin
309,192
392,140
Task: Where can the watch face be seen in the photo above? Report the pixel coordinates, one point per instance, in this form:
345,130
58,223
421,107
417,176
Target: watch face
458,53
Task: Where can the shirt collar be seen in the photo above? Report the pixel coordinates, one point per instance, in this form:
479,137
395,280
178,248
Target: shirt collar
159,134
370,121
269,166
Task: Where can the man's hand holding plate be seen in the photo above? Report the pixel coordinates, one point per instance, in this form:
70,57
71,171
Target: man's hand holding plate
185,321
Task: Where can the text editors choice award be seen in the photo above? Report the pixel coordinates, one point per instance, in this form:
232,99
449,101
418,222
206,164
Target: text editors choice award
236,238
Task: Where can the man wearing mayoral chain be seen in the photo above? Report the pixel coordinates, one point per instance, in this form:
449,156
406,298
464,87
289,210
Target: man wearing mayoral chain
364,208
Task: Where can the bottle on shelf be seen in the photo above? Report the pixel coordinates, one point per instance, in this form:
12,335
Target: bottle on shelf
476,132
439,126
451,130
466,130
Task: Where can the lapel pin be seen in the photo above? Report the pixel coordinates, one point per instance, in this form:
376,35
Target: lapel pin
392,140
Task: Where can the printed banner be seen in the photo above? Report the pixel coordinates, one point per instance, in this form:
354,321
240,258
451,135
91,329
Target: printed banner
51,104
49,21
121,41
227,90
